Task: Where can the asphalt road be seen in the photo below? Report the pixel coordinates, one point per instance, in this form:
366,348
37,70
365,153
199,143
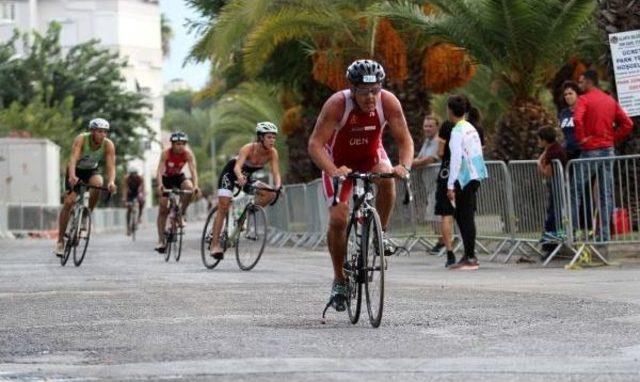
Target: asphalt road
125,314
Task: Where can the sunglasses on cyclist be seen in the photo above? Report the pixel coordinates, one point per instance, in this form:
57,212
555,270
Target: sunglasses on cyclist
366,91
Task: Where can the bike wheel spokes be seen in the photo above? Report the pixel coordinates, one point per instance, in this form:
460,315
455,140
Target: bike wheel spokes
250,237
83,233
178,242
353,263
374,268
168,240
69,239
205,243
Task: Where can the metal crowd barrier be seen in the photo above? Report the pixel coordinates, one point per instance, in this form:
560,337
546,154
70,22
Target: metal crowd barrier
415,224
21,219
539,208
603,206
518,209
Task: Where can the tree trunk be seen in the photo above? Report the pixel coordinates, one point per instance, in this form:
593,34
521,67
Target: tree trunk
516,137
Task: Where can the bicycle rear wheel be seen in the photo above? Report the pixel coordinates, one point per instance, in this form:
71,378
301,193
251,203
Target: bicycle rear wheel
352,269
374,267
83,236
208,260
250,237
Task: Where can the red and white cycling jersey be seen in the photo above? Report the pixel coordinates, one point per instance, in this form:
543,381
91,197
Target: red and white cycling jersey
356,143
174,163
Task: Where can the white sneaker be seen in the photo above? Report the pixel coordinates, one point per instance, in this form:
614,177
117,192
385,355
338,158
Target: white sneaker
59,249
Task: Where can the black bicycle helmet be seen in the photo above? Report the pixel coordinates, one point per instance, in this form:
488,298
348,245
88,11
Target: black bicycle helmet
365,72
179,136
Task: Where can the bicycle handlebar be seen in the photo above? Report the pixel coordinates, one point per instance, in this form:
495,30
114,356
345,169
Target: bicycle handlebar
368,176
259,188
177,192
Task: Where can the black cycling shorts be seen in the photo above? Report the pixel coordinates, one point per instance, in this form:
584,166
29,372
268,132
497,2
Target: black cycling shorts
83,175
171,182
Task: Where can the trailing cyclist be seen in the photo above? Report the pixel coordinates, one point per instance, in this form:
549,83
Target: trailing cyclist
171,176
348,137
91,152
133,192
252,157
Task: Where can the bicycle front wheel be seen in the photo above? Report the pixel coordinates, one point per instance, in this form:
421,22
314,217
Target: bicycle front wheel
169,238
133,222
374,267
178,249
69,237
208,260
250,236
352,269
83,235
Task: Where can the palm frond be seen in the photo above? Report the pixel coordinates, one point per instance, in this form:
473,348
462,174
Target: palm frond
286,25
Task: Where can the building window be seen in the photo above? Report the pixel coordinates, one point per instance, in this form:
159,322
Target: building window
7,10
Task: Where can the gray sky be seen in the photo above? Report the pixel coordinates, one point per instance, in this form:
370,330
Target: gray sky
195,75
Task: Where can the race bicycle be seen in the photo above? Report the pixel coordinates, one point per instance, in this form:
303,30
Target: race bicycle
247,232
78,232
132,222
364,263
174,228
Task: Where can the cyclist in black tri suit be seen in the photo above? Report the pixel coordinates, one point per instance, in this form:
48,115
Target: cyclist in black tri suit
251,158
133,185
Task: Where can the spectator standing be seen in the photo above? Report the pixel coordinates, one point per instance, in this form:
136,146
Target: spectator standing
443,206
552,150
467,169
428,153
594,118
570,91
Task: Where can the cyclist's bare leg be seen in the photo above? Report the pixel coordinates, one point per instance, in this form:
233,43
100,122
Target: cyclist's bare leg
263,198
186,199
65,212
94,195
224,203
386,196
337,238
163,212
140,202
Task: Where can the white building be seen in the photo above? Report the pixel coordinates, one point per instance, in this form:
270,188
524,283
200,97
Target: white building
129,27
176,85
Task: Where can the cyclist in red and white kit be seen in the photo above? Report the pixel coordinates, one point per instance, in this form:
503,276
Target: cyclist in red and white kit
348,137
170,176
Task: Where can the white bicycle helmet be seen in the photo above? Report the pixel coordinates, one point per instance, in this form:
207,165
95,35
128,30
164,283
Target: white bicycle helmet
99,123
266,127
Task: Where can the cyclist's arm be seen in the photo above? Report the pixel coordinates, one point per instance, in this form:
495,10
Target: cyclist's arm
110,161
398,126
76,150
242,157
125,180
275,169
191,162
160,169
326,124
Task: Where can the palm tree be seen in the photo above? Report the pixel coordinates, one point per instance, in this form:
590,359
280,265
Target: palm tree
233,118
521,41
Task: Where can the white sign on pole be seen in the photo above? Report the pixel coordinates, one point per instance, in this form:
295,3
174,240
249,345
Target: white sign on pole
625,54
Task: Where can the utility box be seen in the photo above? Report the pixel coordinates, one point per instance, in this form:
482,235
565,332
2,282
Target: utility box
29,171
